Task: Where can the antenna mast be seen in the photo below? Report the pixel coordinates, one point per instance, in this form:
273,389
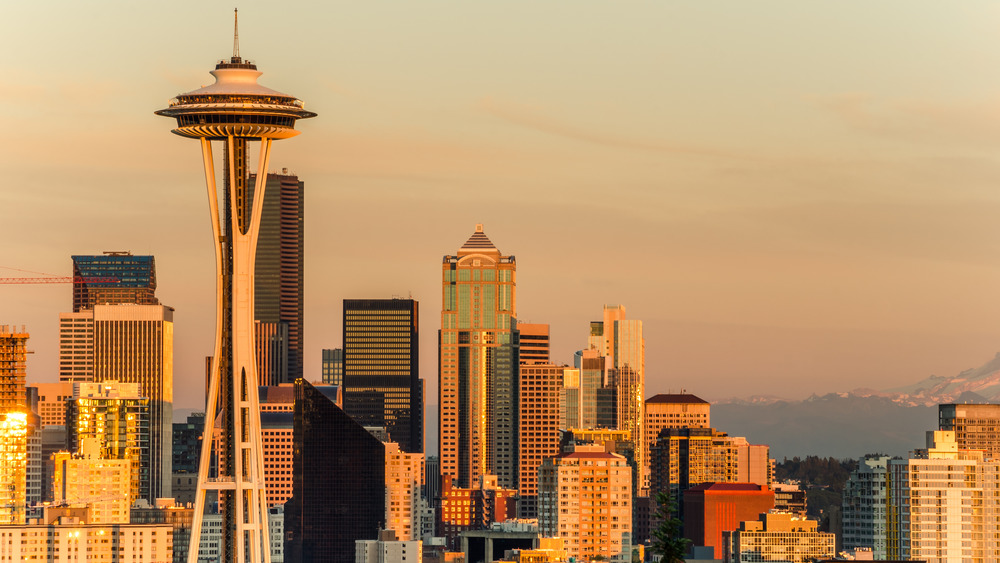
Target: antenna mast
236,34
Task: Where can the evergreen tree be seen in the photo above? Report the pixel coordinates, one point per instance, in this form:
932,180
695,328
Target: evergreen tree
668,539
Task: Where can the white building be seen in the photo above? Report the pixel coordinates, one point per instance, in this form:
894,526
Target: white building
211,536
864,506
404,476
70,539
387,549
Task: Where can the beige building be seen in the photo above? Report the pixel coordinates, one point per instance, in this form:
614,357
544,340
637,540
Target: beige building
976,427
540,415
674,410
404,476
102,485
534,340
778,536
52,399
71,539
14,468
585,498
76,346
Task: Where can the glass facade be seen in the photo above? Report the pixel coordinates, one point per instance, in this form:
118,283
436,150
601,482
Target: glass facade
333,366
381,380
113,278
338,481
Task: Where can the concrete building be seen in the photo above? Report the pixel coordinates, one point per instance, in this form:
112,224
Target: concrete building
478,364
382,385
102,485
585,497
713,508
534,341
52,402
976,427
66,539
210,540
789,498
388,549
488,545
404,479
113,278
277,436
674,410
473,508
539,418
864,506
778,536
13,351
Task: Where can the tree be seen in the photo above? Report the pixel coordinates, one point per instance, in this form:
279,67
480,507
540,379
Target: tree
668,538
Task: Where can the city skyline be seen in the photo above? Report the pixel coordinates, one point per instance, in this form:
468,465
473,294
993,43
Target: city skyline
826,227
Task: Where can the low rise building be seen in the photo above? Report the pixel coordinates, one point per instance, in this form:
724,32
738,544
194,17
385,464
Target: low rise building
778,536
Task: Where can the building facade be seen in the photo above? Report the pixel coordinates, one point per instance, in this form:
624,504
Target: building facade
777,536
52,402
713,508
976,427
381,380
864,506
333,366
102,485
478,364
534,343
113,278
538,428
404,479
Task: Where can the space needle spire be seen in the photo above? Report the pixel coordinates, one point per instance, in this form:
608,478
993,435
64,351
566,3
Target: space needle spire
235,111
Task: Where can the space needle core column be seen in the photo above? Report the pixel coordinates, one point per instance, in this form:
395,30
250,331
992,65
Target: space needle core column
235,110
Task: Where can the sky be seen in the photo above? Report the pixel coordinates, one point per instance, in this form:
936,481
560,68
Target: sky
794,197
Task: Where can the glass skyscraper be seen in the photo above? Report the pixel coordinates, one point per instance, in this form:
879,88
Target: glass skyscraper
381,380
113,278
478,365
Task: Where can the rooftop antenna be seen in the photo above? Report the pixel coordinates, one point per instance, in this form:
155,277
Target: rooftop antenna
236,34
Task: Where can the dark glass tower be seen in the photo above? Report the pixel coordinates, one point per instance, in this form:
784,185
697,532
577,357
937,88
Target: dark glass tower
382,385
113,278
338,481
278,279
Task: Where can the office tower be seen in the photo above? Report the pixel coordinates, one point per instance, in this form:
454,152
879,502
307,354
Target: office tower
404,477
88,479
187,443
569,398
333,366
596,402
338,481
585,497
54,439
278,278
685,457
713,508
276,435
681,410
235,110
113,278
976,427
864,506
135,344
778,537
76,346
116,417
534,340
382,385
271,352
539,418
473,508
52,398
477,364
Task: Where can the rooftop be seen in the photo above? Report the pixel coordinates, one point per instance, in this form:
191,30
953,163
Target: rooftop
676,398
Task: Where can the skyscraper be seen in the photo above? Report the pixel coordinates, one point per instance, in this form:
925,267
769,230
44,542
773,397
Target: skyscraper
13,426
333,366
538,428
382,385
976,427
113,278
13,351
534,341
278,278
477,364
235,110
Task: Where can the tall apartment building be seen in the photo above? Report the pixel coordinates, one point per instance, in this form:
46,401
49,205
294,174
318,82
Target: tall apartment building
585,498
382,385
534,340
864,506
539,421
404,479
113,278
976,427
338,481
333,366
72,538
680,410
277,431
115,418
87,479
776,536
478,364
278,279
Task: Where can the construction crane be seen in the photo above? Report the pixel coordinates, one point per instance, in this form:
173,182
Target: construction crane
52,278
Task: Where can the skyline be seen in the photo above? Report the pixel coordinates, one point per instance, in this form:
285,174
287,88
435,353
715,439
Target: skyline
829,227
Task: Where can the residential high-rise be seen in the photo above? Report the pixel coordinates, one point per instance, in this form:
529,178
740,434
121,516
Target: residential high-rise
338,481
278,278
277,429
113,278
382,385
115,418
585,497
404,478
76,346
976,427
538,428
473,508
477,365
675,410
237,111
864,506
333,366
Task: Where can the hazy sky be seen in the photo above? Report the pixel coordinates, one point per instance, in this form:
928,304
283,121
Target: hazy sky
795,197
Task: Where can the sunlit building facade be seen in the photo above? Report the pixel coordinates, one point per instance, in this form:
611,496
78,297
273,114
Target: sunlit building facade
113,278
404,478
52,402
13,466
72,539
864,506
538,428
478,364
777,536
674,410
976,427
102,485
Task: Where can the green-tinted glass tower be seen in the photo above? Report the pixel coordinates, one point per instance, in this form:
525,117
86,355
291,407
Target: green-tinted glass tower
477,365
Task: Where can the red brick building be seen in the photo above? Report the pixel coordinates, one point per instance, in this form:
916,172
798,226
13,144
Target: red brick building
712,508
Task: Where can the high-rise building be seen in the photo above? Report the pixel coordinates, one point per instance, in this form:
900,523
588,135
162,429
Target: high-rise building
976,427
382,385
477,365
278,278
115,418
13,353
113,278
338,481
585,497
534,340
271,351
135,344
713,508
52,402
14,469
388,548
864,506
540,416
776,536
675,410
88,479
76,346
333,366
277,430
404,478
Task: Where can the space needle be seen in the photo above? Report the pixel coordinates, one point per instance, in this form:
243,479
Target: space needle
235,110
